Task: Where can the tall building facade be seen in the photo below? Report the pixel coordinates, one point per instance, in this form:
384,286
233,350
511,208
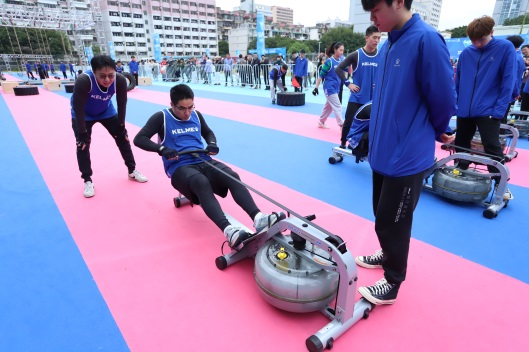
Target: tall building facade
430,11
186,28
505,9
283,15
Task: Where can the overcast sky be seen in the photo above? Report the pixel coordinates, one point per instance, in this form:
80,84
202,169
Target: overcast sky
454,13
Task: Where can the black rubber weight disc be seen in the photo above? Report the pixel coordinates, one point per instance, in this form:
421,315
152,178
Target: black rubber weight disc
25,90
69,88
291,98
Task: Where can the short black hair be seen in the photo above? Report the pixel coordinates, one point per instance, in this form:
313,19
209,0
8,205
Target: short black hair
371,29
181,92
102,61
284,67
369,5
516,40
525,46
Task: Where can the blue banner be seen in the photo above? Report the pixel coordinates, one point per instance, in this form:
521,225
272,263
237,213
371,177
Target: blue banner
157,47
260,34
111,50
89,53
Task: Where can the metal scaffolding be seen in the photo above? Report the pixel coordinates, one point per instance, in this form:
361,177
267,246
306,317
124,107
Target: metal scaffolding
76,17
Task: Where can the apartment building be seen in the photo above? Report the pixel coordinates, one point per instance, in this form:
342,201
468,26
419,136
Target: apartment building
282,15
186,28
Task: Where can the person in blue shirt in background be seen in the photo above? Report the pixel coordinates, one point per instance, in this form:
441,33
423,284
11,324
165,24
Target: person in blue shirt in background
72,70
91,103
331,85
133,67
517,41
301,67
119,67
413,102
62,67
28,70
276,78
485,79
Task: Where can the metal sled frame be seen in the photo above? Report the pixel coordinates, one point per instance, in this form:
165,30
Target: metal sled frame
497,202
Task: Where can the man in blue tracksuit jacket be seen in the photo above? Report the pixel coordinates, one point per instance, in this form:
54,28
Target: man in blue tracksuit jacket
485,79
413,102
133,67
517,41
301,68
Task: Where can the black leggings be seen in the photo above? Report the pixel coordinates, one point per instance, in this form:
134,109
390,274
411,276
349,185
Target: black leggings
350,113
204,181
394,201
113,126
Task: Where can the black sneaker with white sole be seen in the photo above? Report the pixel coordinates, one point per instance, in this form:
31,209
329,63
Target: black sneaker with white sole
373,261
382,292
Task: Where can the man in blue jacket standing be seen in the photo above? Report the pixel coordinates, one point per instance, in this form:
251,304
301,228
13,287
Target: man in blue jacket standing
485,80
133,67
413,102
301,66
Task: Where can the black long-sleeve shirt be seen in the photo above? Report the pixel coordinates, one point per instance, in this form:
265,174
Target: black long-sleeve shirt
81,92
155,125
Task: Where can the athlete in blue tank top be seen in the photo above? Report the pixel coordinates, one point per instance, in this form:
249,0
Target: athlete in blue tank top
364,63
91,103
181,128
331,85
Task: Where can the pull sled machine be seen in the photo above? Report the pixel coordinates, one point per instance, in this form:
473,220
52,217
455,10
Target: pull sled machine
300,267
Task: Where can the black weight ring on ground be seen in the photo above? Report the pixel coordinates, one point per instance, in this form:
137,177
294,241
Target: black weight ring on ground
130,80
69,88
25,90
291,98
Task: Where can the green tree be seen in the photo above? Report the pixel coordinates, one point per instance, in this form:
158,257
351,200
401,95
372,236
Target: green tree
31,41
224,48
459,32
515,21
297,46
96,49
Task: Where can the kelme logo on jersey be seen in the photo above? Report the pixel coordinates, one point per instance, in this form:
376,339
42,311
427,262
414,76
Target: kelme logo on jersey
99,97
370,64
184,130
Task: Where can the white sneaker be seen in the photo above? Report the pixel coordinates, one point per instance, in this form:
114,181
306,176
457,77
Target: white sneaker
89,190
322,125
137,176
235,236
263,221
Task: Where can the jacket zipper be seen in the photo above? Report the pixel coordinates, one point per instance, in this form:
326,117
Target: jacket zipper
379,98
474,88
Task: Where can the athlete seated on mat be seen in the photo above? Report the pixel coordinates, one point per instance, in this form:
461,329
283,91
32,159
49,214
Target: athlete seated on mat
179,129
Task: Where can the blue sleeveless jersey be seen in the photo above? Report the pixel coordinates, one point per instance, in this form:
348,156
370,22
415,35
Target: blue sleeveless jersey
364,77
332,82
99,105
181,136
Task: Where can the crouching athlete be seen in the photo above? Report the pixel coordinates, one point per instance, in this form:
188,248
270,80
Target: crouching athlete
179,129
